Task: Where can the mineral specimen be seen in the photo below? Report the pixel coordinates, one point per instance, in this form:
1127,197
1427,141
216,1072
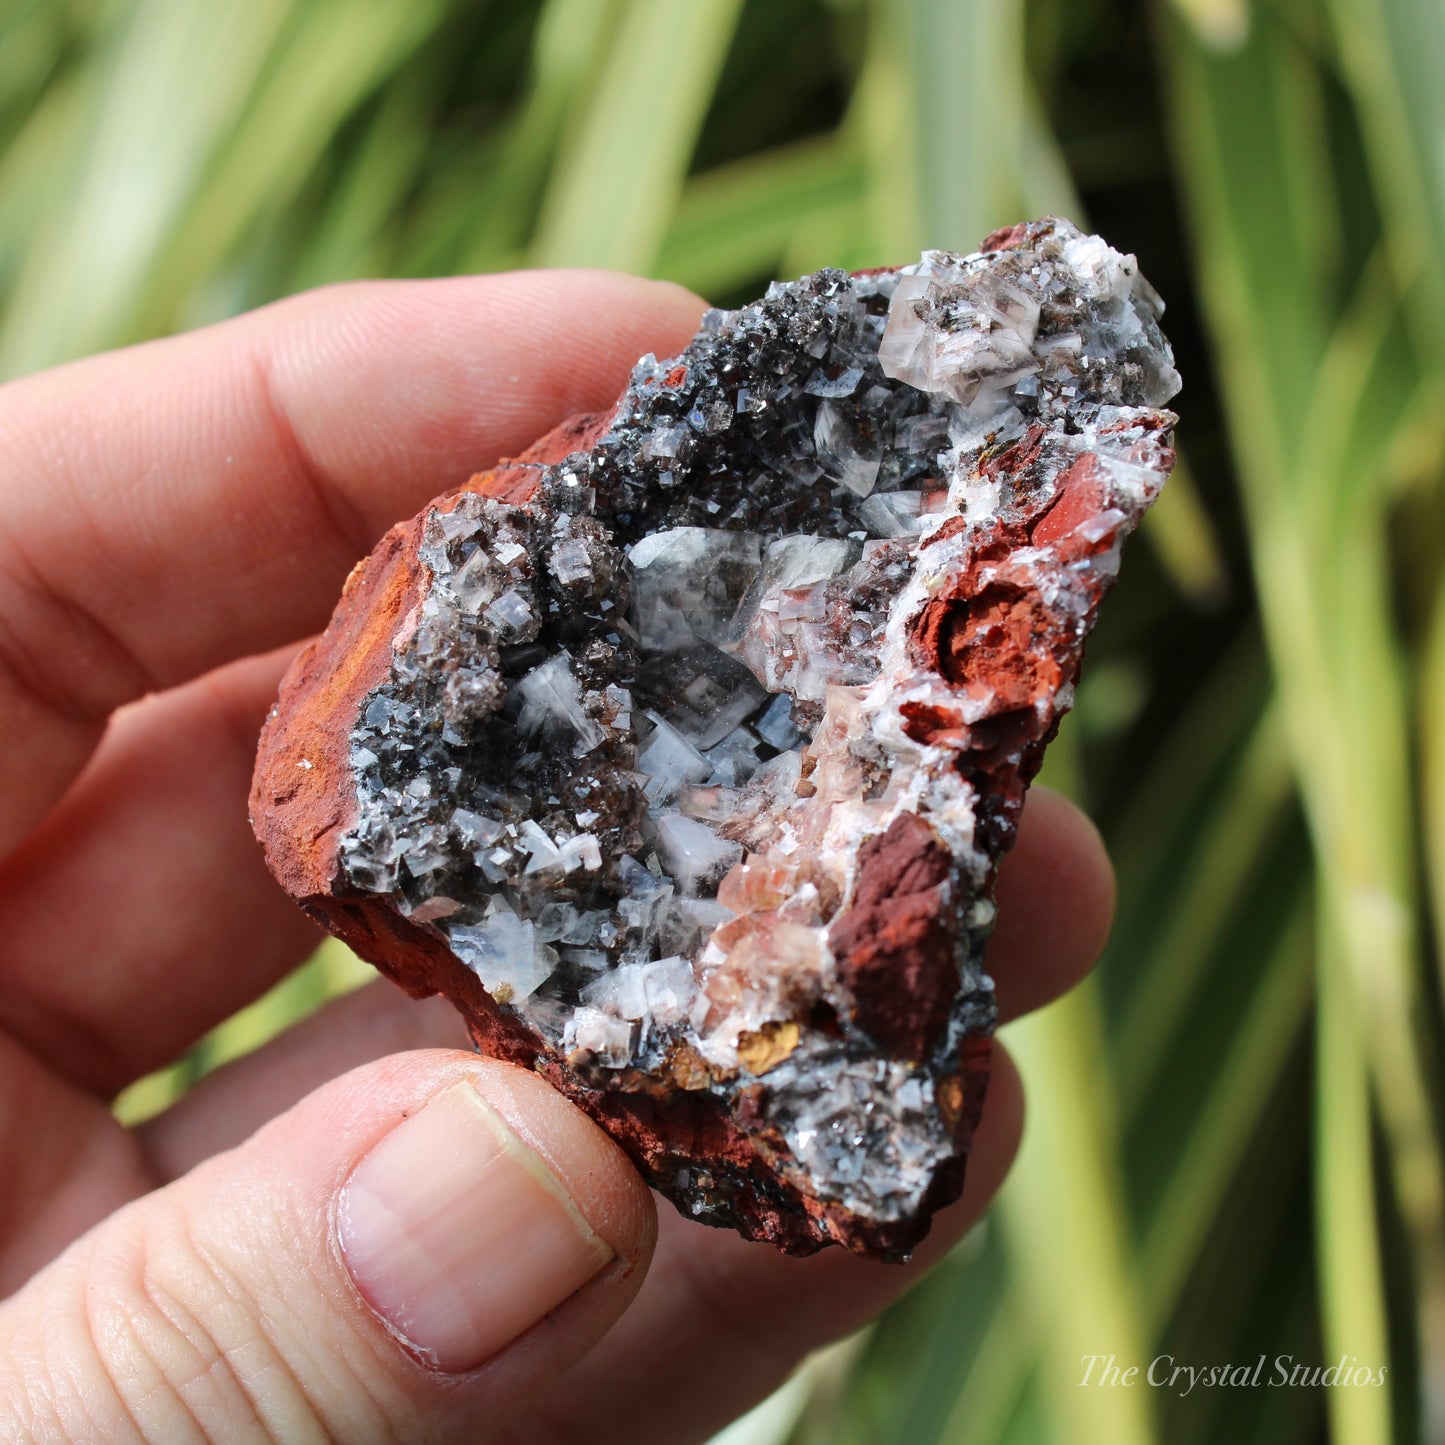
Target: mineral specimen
680,753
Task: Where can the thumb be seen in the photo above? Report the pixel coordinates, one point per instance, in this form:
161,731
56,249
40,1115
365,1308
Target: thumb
409,1253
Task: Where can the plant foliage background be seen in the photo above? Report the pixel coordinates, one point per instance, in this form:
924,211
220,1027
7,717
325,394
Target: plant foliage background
1234,1145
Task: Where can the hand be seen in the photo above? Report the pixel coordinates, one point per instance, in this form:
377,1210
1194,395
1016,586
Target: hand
248,1263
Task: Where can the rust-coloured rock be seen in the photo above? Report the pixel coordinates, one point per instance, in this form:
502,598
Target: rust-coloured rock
680,752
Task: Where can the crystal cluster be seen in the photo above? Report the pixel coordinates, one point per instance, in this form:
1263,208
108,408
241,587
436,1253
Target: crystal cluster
698,745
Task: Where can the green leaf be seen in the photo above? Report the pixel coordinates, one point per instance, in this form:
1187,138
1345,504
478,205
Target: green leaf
337,53
162,94
1069,1245
1390,55
735,224
621,171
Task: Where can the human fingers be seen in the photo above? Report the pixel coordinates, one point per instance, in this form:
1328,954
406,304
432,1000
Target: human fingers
140,913
61,1179
65,1163
721,1323
225,1108
170,507
1055,899
410,1253
710,1295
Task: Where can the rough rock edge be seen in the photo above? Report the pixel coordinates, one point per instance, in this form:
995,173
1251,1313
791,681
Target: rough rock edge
303,801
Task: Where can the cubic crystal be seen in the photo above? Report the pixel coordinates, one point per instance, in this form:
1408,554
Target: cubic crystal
695,738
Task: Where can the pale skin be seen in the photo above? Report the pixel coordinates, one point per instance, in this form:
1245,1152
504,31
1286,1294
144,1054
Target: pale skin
174,519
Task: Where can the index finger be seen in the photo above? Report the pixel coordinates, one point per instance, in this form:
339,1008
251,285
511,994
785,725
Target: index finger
169,507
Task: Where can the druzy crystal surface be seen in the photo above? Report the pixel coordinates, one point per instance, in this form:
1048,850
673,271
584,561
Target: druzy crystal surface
698,746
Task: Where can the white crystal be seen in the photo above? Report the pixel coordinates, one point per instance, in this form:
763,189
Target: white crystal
688,581
566,923
582,851
670,761
669,987
477,830
621,992
844,384
693,854
592,959
734,759
541,850
802,561
474,583
664,443
510,614
609,1039
660,992
892,514
847,453
569,561
504,953
549,693
968,340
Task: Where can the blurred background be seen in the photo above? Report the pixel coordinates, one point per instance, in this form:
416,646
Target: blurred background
1234,1142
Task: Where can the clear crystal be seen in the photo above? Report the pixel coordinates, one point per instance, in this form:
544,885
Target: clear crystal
640,730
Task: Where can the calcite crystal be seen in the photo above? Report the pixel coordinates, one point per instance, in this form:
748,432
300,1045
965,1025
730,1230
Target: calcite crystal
681,752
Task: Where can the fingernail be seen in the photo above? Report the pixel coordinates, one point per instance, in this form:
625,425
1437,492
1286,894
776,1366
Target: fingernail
459,1235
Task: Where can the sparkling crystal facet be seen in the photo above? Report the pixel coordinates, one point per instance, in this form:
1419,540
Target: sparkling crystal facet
700,745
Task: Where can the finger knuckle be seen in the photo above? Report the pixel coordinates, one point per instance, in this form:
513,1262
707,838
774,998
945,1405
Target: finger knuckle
57,649
158,1341
181,1349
